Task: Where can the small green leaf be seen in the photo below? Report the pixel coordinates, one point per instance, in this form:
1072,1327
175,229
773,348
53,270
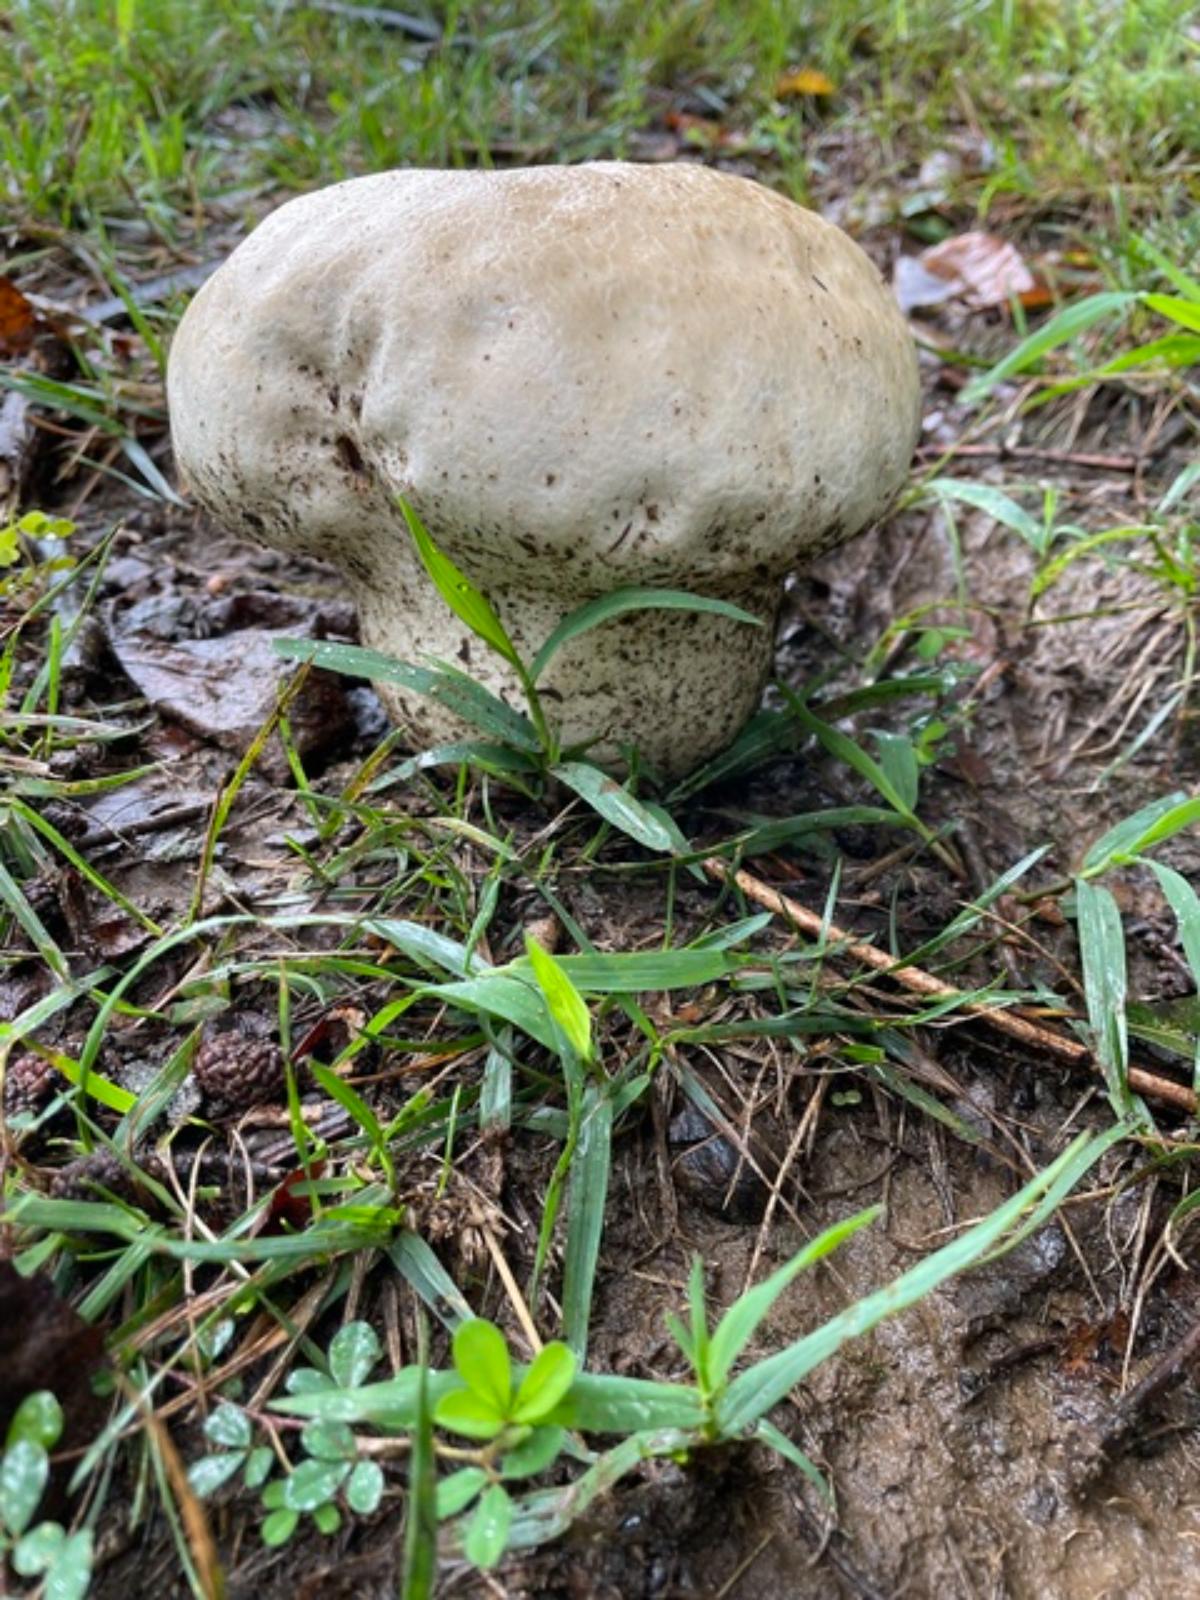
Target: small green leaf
23,1474
614,804
459,593
455,1493
208,1473
279,1527
353,1352
228,1426
307,1380
487,1535
35,1550
312,1483
534,1454
329,1441
70,1573
782,1445
460,1411
563,1000
550,1375
327,1518
482,1361
364,1488
258,1466
39,1419
898,758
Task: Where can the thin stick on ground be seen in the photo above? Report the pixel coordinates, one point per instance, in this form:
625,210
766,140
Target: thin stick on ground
920,982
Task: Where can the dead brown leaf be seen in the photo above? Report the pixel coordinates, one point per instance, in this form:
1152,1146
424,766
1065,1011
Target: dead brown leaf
18,321
978,268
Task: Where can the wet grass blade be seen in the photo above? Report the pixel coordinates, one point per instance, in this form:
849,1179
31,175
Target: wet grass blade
420,1268
420,1524
587,1196
754,1392
1066,325
622,601
615,804
740,1323
1102,955
1153,824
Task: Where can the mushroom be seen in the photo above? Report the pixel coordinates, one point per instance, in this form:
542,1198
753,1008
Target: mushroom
579,378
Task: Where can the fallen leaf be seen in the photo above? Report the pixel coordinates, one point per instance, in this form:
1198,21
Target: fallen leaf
289,1210
805,81
18,320
700,131
977,268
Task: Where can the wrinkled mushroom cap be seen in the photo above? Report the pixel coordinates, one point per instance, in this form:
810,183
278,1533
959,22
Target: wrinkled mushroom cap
580,378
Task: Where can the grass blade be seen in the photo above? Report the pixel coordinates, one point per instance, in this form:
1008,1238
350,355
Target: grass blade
615,804
460,594
587,1194
420,1524
753,1393
1073,320
740,1323
594,612
1153,824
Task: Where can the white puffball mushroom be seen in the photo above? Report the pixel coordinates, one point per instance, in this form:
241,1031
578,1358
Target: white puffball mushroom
580,378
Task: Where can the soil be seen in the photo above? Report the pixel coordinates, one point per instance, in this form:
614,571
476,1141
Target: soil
963,1438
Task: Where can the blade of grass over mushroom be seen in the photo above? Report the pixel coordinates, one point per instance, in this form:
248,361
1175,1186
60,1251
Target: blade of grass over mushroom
754,1392
621,601
455,690
615,804
459,593
497,759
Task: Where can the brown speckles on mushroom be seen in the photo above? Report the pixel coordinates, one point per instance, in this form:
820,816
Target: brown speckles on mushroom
631,423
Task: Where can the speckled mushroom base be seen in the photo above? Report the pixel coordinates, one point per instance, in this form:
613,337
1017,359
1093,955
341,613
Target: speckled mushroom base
581,378
678,685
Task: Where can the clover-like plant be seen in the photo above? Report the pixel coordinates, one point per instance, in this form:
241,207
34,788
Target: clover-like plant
332,1467
46,1551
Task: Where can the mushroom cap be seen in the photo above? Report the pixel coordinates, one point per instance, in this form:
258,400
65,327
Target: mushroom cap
579,377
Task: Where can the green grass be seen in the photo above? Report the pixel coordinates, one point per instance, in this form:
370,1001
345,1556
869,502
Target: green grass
161,112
